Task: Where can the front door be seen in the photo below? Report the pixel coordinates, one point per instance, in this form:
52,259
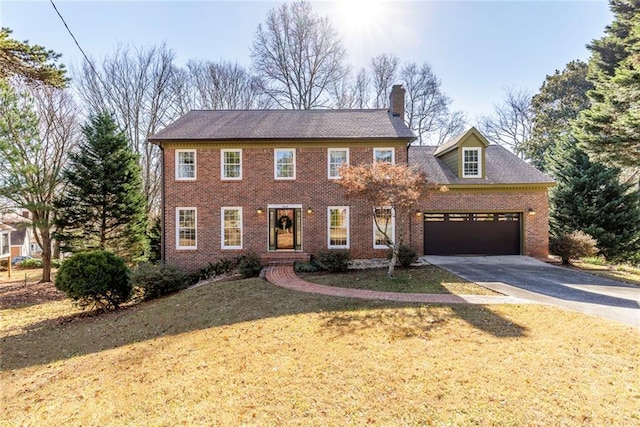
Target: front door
284,229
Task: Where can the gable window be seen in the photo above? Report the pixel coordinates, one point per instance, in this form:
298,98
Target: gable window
231,166
186,228
185,164
338,227
285,163
384,222
232,228
471,166
337,157
384,155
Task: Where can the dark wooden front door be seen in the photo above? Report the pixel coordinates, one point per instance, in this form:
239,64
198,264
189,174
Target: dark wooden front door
284,229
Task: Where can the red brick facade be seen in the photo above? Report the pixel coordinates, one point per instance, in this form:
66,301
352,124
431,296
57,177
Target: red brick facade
312,188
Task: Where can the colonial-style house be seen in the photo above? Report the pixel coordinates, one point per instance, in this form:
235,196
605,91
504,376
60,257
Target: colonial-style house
264,181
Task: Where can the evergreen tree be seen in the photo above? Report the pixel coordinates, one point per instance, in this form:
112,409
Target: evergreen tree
609,128
103,206
589,197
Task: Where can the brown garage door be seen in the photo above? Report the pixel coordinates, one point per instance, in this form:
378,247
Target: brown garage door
472,233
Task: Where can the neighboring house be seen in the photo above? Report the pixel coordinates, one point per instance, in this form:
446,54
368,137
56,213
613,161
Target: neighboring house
5,241
23,241
264,181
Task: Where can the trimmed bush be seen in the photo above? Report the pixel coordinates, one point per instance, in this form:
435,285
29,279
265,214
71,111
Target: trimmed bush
156,280
572,246
334,261
221,267
305,267
250,266
97,279
406,256
30,263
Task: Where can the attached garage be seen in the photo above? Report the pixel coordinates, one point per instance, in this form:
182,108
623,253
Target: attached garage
472,233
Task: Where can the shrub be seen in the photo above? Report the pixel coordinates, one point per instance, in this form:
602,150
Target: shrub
250,266
334,261
221,267
305,267
98,279
406,256
572,246
30,263
156,280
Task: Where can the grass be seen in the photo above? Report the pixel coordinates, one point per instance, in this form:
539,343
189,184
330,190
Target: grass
249,353
426,279
600,267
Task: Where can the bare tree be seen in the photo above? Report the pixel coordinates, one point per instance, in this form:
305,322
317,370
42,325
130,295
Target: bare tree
384,72
426,106
450,125
297,55
138,86
225,86
351,92
511,123
38,129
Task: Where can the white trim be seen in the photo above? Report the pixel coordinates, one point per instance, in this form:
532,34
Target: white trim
177,220
177,165
222,164
222,229
477,150
275,163
348,228
393,153
375,229
329,150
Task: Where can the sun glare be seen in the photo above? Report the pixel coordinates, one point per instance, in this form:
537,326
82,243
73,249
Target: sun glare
361,16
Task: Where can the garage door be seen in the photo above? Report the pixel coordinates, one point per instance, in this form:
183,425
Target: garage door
472,233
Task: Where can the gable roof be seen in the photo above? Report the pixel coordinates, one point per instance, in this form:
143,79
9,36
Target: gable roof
501,167
453,142
207,125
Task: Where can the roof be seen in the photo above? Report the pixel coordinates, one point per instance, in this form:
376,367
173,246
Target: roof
501,167
453,142
208,125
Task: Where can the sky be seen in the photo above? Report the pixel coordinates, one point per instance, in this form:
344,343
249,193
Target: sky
478,49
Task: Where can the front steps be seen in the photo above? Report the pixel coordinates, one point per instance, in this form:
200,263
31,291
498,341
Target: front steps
284,258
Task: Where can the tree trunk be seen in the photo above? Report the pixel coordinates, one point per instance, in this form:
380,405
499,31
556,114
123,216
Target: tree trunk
393,261
46,255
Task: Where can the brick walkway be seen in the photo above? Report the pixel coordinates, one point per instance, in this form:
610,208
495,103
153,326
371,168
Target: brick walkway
285,277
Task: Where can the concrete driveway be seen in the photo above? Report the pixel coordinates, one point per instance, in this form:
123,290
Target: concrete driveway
528,278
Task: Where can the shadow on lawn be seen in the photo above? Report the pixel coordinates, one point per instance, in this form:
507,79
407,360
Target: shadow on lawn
228,303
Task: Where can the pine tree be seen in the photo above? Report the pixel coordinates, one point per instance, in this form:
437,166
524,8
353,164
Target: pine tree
103,206
608,130
589,197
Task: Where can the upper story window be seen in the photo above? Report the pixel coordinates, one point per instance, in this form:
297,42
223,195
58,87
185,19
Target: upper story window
231,164
285,163
186,228
384,155
384,223
471,165
337,157
185,164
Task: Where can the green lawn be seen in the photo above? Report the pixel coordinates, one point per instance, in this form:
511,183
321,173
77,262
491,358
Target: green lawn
249,353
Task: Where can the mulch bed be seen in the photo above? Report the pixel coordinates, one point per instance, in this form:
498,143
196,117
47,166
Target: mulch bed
18,294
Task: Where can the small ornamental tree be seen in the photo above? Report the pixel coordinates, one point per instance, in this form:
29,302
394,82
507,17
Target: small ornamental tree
398,187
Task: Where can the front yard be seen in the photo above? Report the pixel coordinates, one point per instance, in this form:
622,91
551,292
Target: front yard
248,353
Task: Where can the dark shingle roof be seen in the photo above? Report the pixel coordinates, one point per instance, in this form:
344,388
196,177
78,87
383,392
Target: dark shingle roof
501,167
284,124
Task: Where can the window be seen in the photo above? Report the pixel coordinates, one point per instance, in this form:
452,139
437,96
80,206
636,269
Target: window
231,164
186,228
384,222
4,244
338,227
285,163
232,228
186,164
337,157
384,155
471,163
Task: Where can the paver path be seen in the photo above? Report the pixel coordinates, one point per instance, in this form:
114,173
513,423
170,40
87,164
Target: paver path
285,277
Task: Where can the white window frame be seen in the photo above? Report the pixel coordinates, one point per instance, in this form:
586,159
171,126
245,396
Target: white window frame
375,228
275,163
348,228
195,210
337,175
378,149
223,163
222,227
195,165
479,152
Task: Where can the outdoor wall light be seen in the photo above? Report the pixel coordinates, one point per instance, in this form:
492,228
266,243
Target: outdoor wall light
531,211
259,210
309,210
418,214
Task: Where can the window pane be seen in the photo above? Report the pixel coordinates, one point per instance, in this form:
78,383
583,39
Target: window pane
232,228
383,156
186,164
471,162
285,164
338,227
336,159
187,228
384,219
232,165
